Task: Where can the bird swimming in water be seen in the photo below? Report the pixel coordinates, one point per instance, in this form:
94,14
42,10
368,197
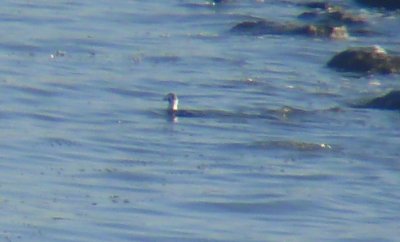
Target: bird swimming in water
172,108
174,112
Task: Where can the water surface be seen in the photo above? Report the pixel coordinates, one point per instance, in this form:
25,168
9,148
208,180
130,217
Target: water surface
87,153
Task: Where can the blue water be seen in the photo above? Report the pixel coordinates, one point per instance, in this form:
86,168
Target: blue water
88,154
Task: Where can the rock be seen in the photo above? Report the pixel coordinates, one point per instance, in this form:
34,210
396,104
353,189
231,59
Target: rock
366,60
387,4
263,27
333,17
260,27
390,101
325,14
317,5
219,1
324,31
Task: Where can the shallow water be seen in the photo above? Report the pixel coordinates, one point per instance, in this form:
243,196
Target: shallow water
87,152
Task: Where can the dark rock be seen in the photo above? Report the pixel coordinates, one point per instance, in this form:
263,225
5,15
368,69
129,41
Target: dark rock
390,101
263,27
310,15
366,60
219,1
320,5
387,4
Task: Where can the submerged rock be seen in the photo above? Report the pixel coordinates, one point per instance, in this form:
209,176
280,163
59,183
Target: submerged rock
333,17
366,60
317,5
336,16
219,1
263,27
387,4
390,101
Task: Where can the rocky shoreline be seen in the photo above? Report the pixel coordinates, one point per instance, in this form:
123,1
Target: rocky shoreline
324,20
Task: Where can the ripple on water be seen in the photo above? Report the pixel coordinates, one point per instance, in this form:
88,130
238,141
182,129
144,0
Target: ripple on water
252,208
32,91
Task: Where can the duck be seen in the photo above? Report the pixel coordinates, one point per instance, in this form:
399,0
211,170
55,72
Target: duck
174,112
172,108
